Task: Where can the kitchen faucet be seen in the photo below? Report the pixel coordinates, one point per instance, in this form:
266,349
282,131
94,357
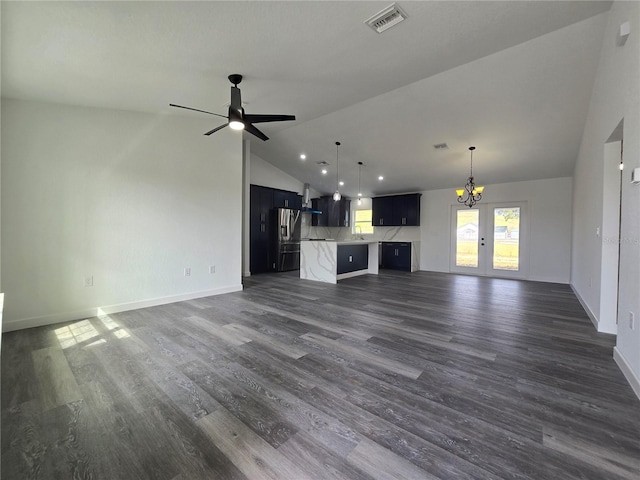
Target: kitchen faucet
356,232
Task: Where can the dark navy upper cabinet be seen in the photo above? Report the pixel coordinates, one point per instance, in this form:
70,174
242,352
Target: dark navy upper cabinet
396,211
320,205
334,214
412,209
284,199
382,215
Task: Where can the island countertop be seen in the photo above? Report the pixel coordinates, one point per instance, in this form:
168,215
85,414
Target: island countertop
319,259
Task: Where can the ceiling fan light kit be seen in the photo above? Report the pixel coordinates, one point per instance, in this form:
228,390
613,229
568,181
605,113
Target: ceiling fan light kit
237,118
470,194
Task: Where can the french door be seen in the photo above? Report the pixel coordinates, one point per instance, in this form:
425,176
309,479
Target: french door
490,239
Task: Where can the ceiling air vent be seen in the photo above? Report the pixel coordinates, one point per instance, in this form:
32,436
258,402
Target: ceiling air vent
323,163
441,146
387,18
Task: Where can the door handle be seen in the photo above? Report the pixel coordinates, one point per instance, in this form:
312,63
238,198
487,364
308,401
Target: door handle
286,203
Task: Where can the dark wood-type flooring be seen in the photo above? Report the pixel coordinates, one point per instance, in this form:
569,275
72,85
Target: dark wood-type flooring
396,376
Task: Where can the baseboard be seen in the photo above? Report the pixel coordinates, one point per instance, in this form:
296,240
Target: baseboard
590,314
628,373
9,326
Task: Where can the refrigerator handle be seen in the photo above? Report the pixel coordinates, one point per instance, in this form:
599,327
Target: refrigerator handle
284,231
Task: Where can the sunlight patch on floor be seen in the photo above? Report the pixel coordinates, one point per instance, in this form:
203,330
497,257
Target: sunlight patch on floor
75,333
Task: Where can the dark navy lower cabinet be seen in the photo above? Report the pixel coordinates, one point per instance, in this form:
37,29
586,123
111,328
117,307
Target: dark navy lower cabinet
396,255
352,258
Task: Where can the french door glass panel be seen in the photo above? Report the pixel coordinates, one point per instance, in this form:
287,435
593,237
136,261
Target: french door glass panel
506,239
467,222
489,239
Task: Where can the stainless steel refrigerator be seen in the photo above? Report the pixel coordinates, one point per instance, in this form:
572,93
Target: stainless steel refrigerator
287,239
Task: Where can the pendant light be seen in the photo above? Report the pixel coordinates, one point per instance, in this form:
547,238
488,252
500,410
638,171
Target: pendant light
359,177
470,194
337,196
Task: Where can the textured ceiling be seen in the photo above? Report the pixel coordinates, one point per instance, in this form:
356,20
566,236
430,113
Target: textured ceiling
512,78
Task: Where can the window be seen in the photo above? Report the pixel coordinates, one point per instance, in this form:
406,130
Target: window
362,222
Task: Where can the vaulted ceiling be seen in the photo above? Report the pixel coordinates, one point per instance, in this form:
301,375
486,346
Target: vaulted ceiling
512,78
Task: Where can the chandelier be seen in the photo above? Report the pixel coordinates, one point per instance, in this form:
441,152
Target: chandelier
470,194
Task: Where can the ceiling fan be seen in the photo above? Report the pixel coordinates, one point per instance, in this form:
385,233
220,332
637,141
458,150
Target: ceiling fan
237,119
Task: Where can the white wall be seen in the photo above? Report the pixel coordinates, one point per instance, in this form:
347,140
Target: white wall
549,211
615,97
265,174
128,198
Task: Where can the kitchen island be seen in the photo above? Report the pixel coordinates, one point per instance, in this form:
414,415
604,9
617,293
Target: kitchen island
330,260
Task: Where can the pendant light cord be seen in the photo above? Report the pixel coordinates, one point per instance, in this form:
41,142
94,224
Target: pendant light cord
337,167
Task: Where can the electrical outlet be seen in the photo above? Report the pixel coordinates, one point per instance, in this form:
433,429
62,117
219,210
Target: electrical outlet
187,271
88,281
632,321
212,269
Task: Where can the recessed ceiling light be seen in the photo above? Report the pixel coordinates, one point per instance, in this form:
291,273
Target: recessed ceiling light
380,177
324,171
341,183
303,156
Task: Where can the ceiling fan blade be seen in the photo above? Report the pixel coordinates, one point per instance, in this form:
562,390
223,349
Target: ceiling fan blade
216,129
268,118
254,131
197,110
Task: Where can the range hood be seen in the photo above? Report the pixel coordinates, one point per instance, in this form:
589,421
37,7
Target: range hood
310,210
306,201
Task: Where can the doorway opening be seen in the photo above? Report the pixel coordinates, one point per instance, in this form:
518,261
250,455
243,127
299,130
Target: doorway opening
610,230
